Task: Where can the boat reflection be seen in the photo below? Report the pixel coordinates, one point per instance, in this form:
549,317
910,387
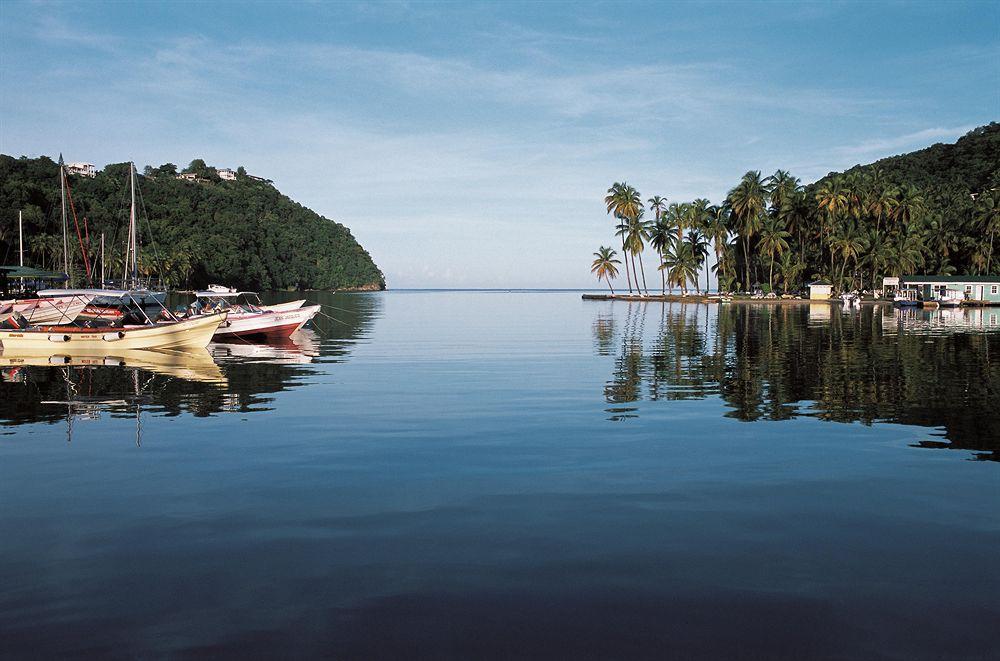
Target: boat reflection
233,377
298,349
191,365
868,365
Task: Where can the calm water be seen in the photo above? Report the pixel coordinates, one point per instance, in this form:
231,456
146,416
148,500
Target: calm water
516,475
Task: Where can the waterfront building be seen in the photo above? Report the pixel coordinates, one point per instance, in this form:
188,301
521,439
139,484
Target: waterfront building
820,290
976,288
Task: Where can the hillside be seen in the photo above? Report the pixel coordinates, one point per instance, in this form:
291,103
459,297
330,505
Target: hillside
945,180
243,232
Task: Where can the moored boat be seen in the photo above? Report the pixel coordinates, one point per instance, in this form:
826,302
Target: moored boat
249,318
192,332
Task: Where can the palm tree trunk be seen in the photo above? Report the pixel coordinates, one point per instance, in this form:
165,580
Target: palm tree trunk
643,269
628,276
663,275
608,280
770,275
635,275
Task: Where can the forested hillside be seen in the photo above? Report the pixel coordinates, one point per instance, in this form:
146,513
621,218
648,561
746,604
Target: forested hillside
243,233
933,211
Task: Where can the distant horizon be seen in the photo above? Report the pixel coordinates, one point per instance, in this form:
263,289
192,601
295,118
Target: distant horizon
480,160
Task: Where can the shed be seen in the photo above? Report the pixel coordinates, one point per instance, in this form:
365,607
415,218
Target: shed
820,290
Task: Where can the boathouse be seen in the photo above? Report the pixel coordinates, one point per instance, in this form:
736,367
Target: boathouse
982,289
820,290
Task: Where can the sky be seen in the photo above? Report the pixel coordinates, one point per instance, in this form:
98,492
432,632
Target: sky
471,144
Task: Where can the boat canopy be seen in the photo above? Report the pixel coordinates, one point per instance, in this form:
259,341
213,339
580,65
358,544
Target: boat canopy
223,294
107,293
34,274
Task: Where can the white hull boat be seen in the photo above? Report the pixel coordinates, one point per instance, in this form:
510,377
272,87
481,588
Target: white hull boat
266,322
195,332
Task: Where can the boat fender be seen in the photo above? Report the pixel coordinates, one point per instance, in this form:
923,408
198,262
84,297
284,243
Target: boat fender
59,338
111,337
114,362
59,360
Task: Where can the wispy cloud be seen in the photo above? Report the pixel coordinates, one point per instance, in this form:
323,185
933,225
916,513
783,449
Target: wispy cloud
882,147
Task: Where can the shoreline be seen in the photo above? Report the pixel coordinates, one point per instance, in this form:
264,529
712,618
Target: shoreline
677,298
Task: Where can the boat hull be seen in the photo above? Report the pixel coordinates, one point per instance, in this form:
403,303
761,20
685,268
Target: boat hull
267,324
187,333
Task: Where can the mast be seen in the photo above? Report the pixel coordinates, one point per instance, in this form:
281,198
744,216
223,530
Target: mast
62,188
20,237
130,267
135,228
102,259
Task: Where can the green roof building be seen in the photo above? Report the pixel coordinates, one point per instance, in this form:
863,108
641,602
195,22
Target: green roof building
982,289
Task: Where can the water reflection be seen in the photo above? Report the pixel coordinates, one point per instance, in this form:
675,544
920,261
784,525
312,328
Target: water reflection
237,376
868,365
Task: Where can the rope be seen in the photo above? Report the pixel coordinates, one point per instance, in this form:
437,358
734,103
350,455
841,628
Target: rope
76,224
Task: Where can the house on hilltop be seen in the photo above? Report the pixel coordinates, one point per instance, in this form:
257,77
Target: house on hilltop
82,169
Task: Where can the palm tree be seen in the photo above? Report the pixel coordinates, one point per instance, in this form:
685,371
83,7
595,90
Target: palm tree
661,237
657,204
782,186
636,241
747,202
774,242
790,268
605,266
698,251
717,231
832,200
848,243
625,203
988,220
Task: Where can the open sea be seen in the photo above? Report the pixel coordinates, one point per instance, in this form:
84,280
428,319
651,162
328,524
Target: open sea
520,475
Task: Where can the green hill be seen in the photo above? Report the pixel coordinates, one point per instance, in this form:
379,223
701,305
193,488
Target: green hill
243,233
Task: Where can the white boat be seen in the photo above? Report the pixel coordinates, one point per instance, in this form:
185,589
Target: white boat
248,318
952,298
221,291
46,309
195,332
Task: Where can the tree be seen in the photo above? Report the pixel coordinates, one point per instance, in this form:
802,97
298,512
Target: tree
747,202
988,220
624,203
661,237
774,242
605,266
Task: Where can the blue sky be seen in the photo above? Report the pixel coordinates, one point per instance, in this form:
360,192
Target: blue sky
470,145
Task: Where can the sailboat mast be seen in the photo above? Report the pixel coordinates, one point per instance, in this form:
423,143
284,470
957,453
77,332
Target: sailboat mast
135,229
20,236
102,259
62,188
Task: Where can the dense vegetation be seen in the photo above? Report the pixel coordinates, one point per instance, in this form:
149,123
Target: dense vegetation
242,233
934,211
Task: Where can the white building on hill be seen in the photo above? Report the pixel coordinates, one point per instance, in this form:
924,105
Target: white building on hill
227,174
82,169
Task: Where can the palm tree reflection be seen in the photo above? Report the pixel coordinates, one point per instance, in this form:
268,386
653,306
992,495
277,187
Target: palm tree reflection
875,365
